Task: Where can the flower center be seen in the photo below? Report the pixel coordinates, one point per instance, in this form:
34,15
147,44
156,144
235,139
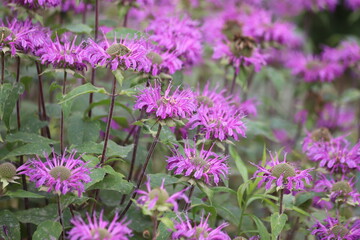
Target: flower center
4,33
321,134
339,230
283,168
231,29
167,100
60,172
343,186
7,170
102,233
154,58
201,232
205,101
162,195
242,46
118,49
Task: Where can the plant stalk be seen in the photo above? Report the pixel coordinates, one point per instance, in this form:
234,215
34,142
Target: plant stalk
2,67
62,116
42,99
60,217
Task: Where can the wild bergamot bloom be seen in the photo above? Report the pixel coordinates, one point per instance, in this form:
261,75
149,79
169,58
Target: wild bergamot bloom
158,200
7,173
170,104
339,191
333,229
99,229
61,174
189,230
199,164
282,174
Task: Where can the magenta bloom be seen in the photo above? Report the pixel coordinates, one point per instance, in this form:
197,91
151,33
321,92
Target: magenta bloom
205,165
220,122
61,174
32,4
353,4
211,97
63,54
124,53
339,191
158,199
316,142
163,62
282,175
337,118
97,228
179,36
333,229
313,68
176,104
347,53
74,5
186,229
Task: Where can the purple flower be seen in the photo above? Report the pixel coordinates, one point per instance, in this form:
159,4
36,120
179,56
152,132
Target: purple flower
33,4
282,174
339,191
347,53
205,165
176,104
210,98
336,117
316,141
186,229
61,174
320,203
63,54
333,229
180,36
158,199
163,62
219,122
97,228
124,53
320,4
353,4
313,68
76,6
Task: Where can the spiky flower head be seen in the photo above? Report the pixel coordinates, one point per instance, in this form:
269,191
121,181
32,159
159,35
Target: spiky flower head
59,174
205,165
190,230
99,229
342,191
170,104
35,4
157,200
63,53
211,97
7,173
124,53
282,174
219,123
163,62
333,229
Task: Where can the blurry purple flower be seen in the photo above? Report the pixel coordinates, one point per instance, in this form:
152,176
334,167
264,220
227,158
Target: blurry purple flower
33,4
61,174
63,54
320,203
205,165
249,107
176,104
333,117
284,139
339,191
210,98
99,229
124,53
113,125
353,4
76,6
347,53
179,36
282,174
301,116
158,199
318,5
163,62
187,229
219,122
332,229
313,68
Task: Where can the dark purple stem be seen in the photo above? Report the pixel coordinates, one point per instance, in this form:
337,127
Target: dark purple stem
2,67
42,99
62,116
187,205
233,81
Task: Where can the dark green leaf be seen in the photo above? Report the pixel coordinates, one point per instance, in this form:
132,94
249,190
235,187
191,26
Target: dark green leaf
29,138
9,221
30,149
156,179
78,28
48,230
9,94
23,194
81,90
264,234
239,164
115,183
80,131
277,222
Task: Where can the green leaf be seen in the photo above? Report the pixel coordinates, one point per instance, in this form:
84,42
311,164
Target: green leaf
205,189
223,189
119,76
78,28
9,95
113,149
241,194
115,183
277,223
156,179
29,138
264,234
350,95
30,149
81,90
8,219
124,33
96,176
22,194
48,230
80,131
239,164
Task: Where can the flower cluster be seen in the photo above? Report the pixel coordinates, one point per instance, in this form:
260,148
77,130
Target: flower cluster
333,229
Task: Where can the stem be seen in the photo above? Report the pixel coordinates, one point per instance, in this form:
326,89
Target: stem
233,81
91,96
155,225
2,67
107,134
62,117
61,217
42,99
187,205
151,150
249,83
281,197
